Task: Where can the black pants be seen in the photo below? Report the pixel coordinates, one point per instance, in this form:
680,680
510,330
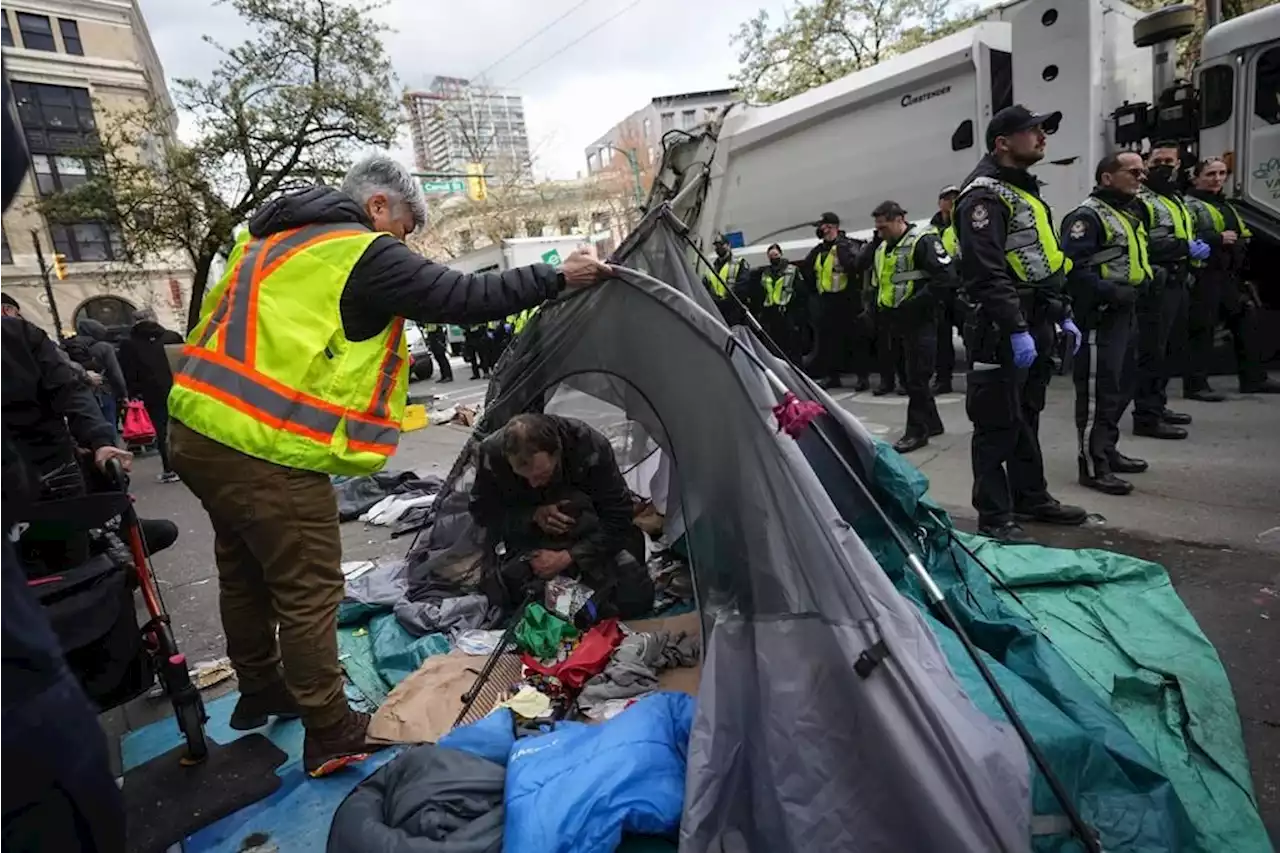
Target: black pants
474,351
437,342
949,321
912,335
1216,297
1004,403
158,409
779,324
1159,310
1114,338
891,360
839,335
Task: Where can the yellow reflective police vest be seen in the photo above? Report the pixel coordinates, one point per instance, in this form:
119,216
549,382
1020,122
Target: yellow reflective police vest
727,274
832,278
1031,244
1123,256
1169,215
269,371
523,318
778,289
895,269
1207,215
950,241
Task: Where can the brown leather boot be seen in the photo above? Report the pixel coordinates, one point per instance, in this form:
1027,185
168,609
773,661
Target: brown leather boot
334,747
253,709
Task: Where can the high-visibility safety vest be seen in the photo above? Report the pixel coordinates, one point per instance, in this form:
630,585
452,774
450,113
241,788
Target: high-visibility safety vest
523,318
1207,215
268,370
779,288
1031,245
951,241
1169,216
895,269
832,278
728,274
1123,256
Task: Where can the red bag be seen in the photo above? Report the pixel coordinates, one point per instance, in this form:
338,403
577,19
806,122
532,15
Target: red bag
138,428
589,658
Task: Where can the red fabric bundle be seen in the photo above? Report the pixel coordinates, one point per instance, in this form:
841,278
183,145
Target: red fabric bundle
589,658
137,424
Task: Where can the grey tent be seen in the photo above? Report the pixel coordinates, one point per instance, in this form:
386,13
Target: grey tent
792,748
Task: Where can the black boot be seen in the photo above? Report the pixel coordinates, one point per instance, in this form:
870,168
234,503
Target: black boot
1175,418
1159,429
253,709
863,384
1107,483
1265,385
908,443
1010,532
882,390
1051,512
1121,464
941,386
1204,394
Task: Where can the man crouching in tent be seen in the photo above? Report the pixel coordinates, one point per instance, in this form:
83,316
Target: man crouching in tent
549,491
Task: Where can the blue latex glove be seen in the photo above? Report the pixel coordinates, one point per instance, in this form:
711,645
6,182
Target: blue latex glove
1069,326
1024,349
1198,249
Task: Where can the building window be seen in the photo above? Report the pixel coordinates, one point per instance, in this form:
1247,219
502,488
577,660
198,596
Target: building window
6,256
70,36
648,128
688,118
88,241
6,35
667,121
55,119
591,162
57,173
110,311
568,225
37,32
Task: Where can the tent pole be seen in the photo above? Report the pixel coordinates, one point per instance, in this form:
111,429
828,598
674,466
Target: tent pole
937,599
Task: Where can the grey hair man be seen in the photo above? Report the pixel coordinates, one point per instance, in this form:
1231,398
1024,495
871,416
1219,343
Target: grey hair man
298,370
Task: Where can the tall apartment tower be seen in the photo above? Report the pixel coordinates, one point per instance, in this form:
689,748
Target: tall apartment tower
454,122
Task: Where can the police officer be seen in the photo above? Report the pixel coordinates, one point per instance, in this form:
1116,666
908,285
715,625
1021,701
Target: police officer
1219,291
1012,267
1107,245
828,268
438,343
949,313
772,297
910,268
1162,307
729,274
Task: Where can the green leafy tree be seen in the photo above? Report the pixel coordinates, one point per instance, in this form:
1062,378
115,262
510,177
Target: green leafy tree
821,41
286,108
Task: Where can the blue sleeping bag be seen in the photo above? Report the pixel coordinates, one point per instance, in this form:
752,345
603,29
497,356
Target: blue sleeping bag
575,790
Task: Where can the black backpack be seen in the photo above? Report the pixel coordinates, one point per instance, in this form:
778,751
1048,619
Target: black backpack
81,352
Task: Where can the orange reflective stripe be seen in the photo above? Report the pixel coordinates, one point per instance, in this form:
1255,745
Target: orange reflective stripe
379,405
235,326
196,354
373,437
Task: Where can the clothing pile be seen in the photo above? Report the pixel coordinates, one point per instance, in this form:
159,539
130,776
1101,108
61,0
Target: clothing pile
672,582
387,497
553,788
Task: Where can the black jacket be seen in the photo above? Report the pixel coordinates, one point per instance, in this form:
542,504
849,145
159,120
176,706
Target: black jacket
503,502
391,280
92,338
142,357
1083,237
981,228
45,405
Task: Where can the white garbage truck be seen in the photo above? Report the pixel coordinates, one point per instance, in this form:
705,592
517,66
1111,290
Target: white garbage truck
908,127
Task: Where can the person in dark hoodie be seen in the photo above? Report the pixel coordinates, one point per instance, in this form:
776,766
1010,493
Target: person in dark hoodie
1220,292
91,349
149,377
68,799
296,370
1012,267
1107,243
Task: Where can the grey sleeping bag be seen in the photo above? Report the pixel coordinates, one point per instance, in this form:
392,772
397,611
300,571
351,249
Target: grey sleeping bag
427,800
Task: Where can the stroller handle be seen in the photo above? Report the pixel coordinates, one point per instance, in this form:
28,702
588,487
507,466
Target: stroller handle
115,473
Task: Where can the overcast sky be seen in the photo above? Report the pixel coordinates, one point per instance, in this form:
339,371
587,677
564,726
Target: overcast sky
651,47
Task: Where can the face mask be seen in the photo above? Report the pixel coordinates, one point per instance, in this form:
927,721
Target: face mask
1160,177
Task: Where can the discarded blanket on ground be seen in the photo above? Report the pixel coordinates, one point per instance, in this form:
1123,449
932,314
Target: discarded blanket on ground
357,495
426,800
578,788
633,669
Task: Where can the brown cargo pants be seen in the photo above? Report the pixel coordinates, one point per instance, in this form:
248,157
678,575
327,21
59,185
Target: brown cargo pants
279,555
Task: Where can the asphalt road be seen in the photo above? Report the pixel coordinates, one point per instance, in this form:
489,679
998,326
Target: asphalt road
1209,511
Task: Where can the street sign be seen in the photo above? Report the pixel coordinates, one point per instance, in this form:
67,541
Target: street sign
552,257
442,186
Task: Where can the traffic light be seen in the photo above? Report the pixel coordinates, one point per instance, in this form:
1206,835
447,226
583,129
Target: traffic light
60,265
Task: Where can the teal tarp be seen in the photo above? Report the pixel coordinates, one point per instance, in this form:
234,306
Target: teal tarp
378,654
1125,696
